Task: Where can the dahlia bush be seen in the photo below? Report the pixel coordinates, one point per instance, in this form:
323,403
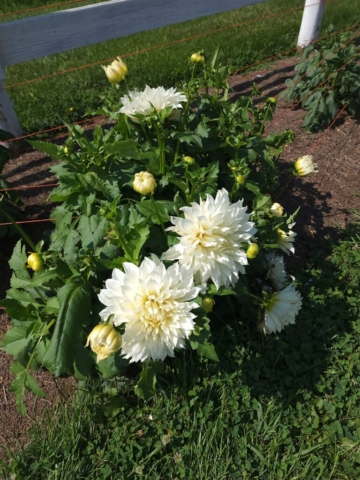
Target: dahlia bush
157,219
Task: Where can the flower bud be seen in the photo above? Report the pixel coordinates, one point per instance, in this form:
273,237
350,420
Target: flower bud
276,210
116,71
197,58
252,250
208,304
240,179
144,183
304,166
272,100
189,160
104,340
35,262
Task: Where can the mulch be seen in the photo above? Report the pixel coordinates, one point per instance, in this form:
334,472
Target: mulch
326,200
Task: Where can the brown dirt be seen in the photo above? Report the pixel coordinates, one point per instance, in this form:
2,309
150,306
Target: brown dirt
326,200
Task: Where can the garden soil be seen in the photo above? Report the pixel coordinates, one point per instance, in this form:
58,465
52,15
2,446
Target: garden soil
327,201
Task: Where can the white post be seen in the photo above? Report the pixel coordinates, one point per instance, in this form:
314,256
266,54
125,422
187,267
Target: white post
311,22
8,119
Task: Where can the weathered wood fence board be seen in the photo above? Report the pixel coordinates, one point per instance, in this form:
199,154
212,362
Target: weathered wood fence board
35,37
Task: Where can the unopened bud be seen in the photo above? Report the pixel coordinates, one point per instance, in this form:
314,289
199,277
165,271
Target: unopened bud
197,58
252,251
104,340
35,262
240,179
189,160
208,304
116,71
144,183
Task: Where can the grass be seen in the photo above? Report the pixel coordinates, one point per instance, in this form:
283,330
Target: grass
276,407
68,97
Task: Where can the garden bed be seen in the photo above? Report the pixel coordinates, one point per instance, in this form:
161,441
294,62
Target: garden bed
326,200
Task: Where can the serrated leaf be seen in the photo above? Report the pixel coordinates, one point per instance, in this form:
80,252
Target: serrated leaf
18,260
164,209
207,350
74,301
126,149
112,366
49,148
16,310
145,387
15,339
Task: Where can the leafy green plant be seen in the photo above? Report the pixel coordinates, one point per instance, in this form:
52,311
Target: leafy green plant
327,79
123,197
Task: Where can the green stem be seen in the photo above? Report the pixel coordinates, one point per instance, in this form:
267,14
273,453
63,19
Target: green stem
162,150
158,214
20,230
264,120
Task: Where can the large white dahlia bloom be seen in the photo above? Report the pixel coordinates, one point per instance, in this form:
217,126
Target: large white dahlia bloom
150,100
155,305
281,309
212,236
276,272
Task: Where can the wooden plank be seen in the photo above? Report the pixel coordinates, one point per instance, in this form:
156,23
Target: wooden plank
35,37
8,119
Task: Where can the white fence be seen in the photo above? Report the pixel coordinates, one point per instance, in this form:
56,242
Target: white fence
30,38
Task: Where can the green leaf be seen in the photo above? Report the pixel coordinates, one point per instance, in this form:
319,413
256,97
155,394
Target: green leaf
18,260
252,187
15,340
126,149
74,300
164,207
207,350
18,311
39,279
145,387
23,379
92,230
83,363
112,366
49,148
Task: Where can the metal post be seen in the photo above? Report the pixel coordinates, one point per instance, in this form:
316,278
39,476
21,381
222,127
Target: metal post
311,22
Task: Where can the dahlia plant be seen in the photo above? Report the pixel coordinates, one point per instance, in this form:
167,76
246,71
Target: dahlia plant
157,217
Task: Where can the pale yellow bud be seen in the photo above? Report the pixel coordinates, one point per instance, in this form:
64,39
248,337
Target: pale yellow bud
276,210
116,71
144,183
104,340
208,304
240,179
197,58
252,251
188,159
304,166
66,150
35,262
272,99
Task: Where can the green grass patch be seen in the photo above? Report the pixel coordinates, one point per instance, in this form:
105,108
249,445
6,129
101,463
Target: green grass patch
68,97
276,407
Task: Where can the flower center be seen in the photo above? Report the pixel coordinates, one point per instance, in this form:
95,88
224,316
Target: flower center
154,314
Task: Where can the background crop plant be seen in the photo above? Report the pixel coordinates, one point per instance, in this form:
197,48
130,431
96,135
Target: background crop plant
326,79
158,217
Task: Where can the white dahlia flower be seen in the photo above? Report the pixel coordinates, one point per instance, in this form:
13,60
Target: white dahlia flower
286,240
276,210
281,309
150,100
276,272
155,306
212,237
305,166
